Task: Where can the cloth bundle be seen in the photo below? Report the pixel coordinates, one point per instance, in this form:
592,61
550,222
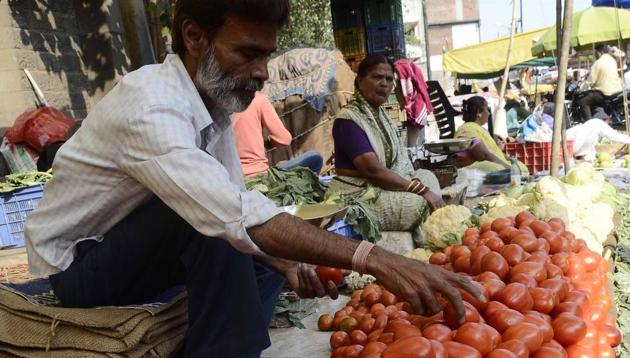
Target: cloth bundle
33,330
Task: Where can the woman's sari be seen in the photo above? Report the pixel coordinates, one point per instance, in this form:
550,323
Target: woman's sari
474,130
396,211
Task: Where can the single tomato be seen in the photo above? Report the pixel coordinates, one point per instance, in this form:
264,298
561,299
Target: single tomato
325,274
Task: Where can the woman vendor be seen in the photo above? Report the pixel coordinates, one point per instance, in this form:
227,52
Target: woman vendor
368,154
484,153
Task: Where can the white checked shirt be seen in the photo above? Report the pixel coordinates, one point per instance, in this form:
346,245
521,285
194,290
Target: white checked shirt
150,135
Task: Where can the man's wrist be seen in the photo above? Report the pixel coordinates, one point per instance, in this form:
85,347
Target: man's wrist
377,262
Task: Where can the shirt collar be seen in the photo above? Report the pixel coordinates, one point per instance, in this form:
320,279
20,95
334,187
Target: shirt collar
201,117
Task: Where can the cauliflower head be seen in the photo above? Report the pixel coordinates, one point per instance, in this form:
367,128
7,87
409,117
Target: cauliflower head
502,212
419,254
450,219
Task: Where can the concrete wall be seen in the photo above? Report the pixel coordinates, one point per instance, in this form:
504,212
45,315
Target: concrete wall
73,49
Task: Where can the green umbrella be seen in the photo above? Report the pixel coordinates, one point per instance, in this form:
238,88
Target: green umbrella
593,25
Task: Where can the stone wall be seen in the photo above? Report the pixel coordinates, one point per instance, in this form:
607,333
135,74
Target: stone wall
73,48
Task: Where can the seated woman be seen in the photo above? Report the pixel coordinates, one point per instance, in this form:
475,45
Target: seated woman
368,154
484,154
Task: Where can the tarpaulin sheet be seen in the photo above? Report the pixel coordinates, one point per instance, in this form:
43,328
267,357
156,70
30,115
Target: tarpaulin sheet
489,57
619,3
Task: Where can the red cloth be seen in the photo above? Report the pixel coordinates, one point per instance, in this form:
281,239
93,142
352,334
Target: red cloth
416,93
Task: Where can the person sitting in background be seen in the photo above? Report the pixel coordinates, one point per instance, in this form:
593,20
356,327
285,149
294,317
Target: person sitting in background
489,157
587,135
604,81
368,154
248,130
511,113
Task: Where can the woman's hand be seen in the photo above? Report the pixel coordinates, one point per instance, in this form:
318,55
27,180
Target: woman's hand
435,201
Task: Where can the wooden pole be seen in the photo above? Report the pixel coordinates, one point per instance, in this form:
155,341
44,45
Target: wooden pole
564,47
564,118
506,71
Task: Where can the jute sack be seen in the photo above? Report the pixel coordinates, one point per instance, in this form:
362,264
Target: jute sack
60,333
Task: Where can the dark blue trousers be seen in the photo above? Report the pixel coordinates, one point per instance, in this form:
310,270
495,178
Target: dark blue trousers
231,297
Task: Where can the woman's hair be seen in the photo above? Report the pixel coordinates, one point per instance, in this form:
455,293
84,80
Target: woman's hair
211,15
368,63
471,107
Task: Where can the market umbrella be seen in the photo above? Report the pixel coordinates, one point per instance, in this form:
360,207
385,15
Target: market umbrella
593,25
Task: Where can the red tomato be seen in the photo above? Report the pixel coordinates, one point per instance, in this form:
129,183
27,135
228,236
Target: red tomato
373,347
494,335
404,331
525,279
524,216
459,350
515,346
437,331
502,319
413,347
542,324
325,274
612,334
438,258
535,269
353,351
450,316
506,233
494,243
478,253
527,333
462,264
539,227
474,335
568,329
571,307
493,287
581,352
501,353
527,241
338,339
472,300
438,348
558,286
561,260
548,352
513,254
516,296
491,307
553,271
358,337
556,224
544,299
485,276
494,262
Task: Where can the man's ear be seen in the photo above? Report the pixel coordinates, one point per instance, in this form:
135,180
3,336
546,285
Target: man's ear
195,38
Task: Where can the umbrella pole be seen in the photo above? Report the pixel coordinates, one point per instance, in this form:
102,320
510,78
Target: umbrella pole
562,80
564,118
623,84
506,71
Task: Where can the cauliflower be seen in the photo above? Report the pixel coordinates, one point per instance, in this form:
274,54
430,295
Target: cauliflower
501,212
419,254
586,234
450,219
356,281
527,199
551,207
501,200
599,220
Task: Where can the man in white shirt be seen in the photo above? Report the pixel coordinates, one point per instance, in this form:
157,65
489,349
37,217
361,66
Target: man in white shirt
604,80
586,136
149,194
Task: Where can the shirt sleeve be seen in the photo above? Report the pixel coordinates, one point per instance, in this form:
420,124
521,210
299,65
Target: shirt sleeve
161,153
608,132
350,139
270,120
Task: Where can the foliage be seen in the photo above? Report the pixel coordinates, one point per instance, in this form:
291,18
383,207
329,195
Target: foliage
290,312
622,273
310,25
163,9
288,187
359,215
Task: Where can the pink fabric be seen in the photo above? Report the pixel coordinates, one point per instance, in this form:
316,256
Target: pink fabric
416,93
466,153
248,131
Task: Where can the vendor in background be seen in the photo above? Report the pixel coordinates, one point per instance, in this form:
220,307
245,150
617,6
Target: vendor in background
604,80
511,113
369,154
249,127
587,135
485,153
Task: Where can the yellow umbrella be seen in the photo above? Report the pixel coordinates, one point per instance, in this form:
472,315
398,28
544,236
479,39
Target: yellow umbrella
595,24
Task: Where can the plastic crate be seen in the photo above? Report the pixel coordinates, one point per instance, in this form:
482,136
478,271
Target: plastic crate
536,156
386,39
14,208
351,42
346,14
397,114
383,12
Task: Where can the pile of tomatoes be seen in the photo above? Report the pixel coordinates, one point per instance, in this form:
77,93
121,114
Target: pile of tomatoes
546,298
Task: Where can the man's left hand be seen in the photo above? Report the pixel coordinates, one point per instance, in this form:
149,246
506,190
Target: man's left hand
304,281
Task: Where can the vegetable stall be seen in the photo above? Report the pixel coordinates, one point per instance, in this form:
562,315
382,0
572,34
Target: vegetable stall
556,284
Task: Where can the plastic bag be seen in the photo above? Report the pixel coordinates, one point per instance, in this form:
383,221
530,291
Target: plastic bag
39,128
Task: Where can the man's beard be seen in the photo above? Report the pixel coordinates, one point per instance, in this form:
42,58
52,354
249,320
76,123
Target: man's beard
220,88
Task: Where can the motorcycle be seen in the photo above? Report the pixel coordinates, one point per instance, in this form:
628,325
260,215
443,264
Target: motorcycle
613,105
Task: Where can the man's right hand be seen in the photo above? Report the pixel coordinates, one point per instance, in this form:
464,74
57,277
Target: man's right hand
418,283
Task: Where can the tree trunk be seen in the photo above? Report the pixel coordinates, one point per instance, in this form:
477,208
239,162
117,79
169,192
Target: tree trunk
501,118
564,47
137,35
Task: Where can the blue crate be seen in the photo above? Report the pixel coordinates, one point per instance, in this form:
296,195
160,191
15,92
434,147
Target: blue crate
386,39
341,227
346,14
383,12
14,208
